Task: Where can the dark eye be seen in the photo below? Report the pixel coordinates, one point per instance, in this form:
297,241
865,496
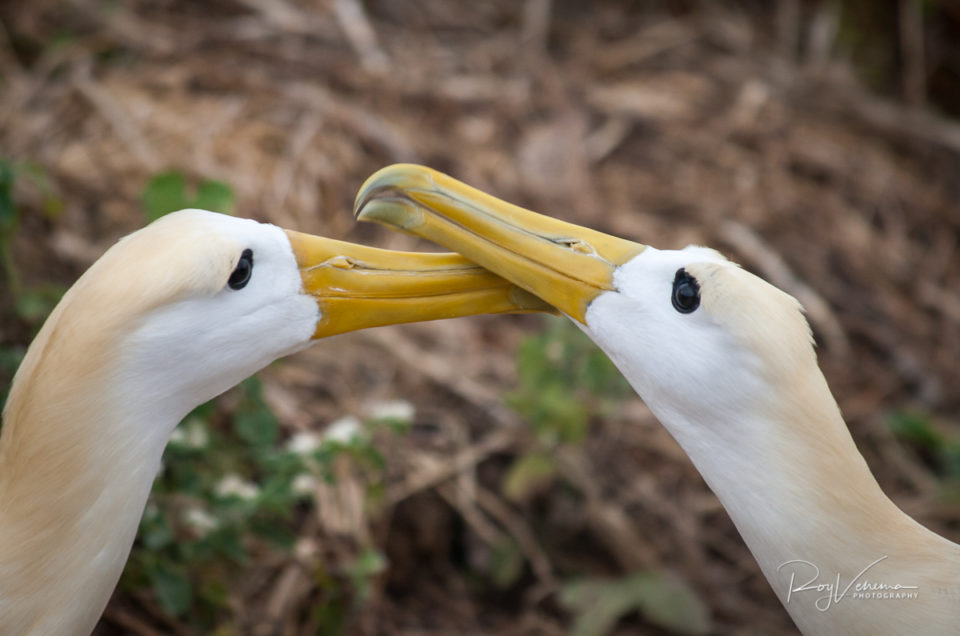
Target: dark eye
686,292
241,275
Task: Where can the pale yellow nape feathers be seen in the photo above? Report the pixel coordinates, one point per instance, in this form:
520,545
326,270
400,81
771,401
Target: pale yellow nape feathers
759,421
183,254
57,418
150,331
765,319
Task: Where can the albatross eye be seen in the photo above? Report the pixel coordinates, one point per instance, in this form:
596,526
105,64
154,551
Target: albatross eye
241,275
686,292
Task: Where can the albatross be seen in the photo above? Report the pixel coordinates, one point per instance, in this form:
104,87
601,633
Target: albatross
169,317
726,363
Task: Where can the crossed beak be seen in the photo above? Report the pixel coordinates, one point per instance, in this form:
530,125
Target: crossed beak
358,287
564,264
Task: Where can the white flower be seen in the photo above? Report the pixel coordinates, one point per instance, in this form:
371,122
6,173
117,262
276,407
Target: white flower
200,520
306,549
399,410
191,434
304,443
344,430
304,485
233,485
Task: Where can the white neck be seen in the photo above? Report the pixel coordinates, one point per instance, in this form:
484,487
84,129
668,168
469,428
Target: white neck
809,509
76,467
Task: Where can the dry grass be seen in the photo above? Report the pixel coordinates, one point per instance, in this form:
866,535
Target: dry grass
669,127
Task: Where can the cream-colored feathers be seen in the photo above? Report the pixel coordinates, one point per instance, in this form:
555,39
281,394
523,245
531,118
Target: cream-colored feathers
85,425
176,258
830,522
763,318
737,383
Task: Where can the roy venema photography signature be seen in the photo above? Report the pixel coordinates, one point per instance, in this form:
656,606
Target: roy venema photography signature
805,576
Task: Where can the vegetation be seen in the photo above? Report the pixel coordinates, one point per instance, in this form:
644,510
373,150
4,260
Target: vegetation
28,303
231,488
938,447
167,192
823,128
31,303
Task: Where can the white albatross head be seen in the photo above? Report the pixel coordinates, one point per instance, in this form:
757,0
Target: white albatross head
695,334
726,363
167,318
185,308
700,338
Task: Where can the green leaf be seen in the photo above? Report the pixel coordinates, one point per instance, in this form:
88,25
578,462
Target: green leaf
564,379
228,542
164,193
172,589
527,476
257,427
950,458
8,210
506,563
254,422
37,175
662,599
915,428
277,535
204,412
367,565
35,304
216,592
156,532
214,195
167,192
331,617
554,411
10,359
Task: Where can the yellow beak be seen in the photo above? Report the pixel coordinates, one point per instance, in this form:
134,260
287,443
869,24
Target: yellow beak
358,287
564,264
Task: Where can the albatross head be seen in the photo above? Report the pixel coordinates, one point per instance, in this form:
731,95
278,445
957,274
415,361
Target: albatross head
169,317
698,337
726,363
703,340
203,300
185,308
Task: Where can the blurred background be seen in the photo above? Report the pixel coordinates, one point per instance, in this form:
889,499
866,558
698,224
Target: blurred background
494,475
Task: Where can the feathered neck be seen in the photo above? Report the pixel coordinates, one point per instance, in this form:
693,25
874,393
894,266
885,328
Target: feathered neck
826,537
78,455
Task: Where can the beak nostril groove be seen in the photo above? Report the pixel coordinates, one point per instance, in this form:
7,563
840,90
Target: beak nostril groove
575,245
340,261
